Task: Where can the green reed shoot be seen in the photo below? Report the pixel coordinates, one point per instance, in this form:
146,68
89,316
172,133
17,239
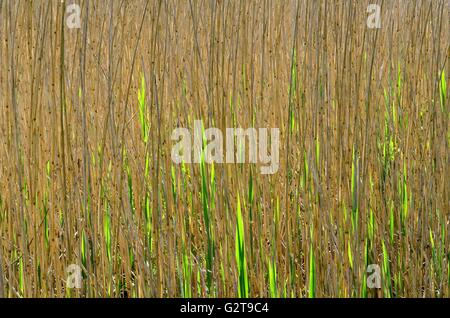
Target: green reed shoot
241,262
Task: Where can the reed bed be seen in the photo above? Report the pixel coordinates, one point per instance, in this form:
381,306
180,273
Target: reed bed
87,177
